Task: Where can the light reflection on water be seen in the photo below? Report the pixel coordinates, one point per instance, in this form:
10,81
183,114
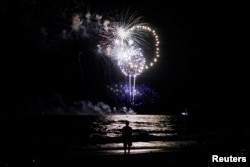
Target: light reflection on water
156,125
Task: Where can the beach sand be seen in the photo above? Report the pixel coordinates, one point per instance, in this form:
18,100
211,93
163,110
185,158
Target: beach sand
196,155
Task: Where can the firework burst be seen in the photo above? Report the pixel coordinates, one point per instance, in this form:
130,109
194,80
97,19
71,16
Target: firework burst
123,41
132,45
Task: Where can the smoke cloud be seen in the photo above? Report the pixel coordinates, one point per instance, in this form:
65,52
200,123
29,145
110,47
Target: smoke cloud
55,105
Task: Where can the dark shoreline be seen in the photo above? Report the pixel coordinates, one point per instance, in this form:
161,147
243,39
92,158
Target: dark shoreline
199,155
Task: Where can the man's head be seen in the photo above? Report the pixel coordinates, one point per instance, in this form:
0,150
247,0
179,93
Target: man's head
127,123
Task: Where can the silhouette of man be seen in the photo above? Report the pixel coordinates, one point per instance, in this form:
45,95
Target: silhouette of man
127,138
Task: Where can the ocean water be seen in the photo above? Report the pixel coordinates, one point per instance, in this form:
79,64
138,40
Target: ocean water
102,133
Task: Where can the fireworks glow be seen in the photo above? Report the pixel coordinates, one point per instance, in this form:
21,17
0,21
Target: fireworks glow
131,62
120,39
143,94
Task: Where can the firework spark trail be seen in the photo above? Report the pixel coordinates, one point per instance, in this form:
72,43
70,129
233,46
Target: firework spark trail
133,99
130,89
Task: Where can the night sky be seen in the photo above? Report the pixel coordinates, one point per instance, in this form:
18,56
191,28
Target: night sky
198,67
